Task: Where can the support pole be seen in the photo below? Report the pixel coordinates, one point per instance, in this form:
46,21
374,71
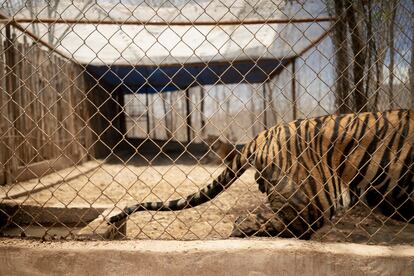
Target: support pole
188,114
294,104
11,165
202,111
121,111
148,115
264,105
5,20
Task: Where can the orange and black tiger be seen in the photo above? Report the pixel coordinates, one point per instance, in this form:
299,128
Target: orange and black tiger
220,152
312,168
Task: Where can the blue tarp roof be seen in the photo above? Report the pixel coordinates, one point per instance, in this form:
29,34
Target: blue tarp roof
153,79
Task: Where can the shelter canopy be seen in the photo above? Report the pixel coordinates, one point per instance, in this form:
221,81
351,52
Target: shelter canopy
153,58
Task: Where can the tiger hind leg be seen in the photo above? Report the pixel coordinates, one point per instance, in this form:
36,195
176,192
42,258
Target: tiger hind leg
291,214
398,203
258,223
285,223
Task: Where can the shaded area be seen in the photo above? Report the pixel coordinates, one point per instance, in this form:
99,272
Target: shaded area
362,225
144,152
163,78
129,179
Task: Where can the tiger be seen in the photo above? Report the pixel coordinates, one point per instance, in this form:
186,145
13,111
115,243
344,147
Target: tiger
310,169
219,151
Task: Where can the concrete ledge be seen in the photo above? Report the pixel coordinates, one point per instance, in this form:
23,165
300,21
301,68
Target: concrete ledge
24,189
100,229
17,212
230,257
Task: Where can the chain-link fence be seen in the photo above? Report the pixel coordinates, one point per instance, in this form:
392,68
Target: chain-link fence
107,104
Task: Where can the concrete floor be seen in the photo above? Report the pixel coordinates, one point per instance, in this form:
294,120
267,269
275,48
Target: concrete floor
220,257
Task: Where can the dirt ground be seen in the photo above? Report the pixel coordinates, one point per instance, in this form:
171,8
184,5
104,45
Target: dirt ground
114,183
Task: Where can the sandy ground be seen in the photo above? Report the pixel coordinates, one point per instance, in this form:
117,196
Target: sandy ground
114,183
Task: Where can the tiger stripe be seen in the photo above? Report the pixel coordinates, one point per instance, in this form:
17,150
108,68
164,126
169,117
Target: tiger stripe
312,168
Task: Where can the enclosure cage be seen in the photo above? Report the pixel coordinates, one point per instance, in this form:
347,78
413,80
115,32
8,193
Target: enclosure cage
105,104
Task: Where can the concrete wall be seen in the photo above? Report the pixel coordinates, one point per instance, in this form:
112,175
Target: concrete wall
228,257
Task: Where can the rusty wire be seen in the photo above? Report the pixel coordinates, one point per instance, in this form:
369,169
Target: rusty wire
74,145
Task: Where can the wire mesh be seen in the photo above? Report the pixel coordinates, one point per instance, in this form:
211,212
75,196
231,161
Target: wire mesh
106,104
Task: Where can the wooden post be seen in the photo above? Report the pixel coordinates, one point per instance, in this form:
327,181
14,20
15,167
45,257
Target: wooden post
121,112
264,106
271,104
148,115
71,147
294,104
39,110
188,114
3,111
202,110
11,166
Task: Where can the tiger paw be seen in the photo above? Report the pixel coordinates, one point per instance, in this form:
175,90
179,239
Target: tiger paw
246,226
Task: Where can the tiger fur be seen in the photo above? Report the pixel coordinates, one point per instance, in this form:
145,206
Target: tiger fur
219,151
312,168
